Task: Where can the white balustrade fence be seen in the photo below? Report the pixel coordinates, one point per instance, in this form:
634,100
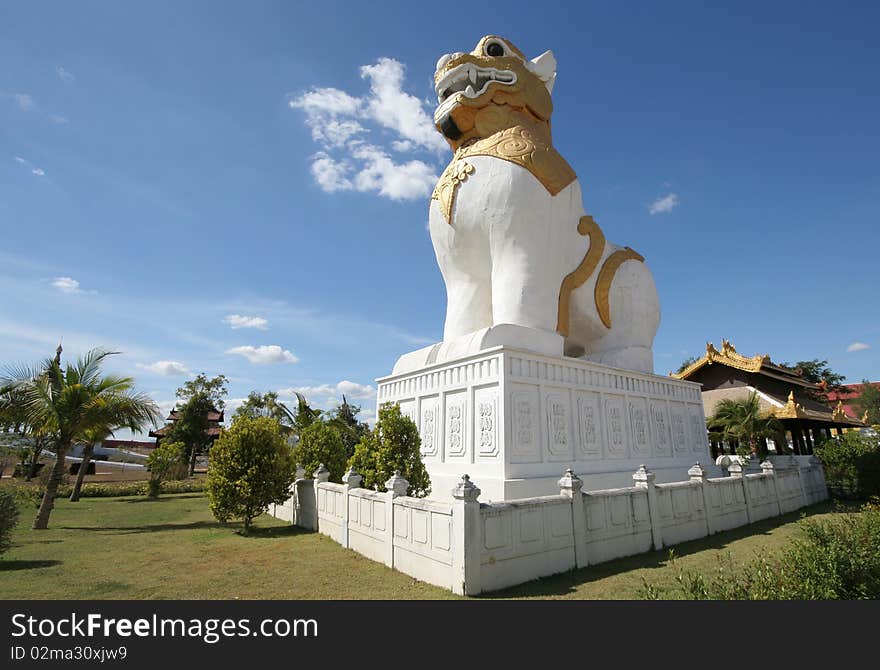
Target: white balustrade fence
470,547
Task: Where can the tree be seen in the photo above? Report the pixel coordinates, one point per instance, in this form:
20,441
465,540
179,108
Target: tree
392,445
351,430
321,443
742,421
200,396
267,405
90,438
818,372
66,402
869,401
167,461
213,389
251,468
8,517
305,415
690,360
14,423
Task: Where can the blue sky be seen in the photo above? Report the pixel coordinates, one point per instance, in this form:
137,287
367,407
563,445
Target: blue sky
242,188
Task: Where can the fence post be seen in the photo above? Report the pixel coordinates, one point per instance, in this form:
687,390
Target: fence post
352,480
467,542
570,487
735,470
769,469
320,476
299,474
395,487
644,479
820,471
698,475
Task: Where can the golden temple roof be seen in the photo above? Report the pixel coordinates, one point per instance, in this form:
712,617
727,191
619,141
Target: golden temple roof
729,356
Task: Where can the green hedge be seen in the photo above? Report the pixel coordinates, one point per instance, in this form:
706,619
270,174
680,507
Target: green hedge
836,559
852,465
134,488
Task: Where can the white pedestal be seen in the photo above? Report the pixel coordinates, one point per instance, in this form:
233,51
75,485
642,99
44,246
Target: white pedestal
515,420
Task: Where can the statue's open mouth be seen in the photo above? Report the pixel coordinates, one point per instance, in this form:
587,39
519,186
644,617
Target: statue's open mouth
471,80
466,80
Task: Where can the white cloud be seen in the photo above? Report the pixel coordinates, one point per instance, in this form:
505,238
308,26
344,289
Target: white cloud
166,368
39,172
21,160
326,392
347,161
265,354
398,181
396,109
65,75
23,100
330,174
858,346
36,171
66,285
236,321
663,205
354,390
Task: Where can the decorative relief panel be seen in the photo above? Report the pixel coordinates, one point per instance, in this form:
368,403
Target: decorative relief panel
616,432
638,423
408,408
524,426
660,429
558,434
486,433
588,423
699,441
428,427
677,418
456,425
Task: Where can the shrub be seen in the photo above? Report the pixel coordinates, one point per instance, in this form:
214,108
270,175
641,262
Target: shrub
392,445
852,465
141,488
167,461
8,517
321,443
251,468
837,559
26,495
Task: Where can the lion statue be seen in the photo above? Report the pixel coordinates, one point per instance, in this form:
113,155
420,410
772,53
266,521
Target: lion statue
516,249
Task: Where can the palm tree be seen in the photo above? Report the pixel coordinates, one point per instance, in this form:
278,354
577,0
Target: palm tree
69,402
90,438
744,422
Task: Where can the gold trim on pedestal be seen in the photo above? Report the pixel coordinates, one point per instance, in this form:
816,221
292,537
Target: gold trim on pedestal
586,226
606,276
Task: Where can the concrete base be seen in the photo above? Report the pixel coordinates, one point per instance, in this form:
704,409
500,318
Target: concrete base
514,420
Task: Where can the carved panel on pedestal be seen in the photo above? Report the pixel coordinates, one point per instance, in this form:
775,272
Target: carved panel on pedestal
615,429
456,421
408,408
486,433
638,423
678,421
524,426
559,445
590,442
660,429
699,441
428,427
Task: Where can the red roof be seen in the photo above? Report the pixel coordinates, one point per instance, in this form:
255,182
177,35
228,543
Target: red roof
128,444
213,416
848,396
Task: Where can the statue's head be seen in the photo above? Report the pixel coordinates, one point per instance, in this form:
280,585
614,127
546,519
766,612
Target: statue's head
491,88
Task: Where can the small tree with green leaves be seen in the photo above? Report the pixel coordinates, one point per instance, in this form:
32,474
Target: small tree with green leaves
321,443
392,445
8,517
251,468
167,461
869,402
744,422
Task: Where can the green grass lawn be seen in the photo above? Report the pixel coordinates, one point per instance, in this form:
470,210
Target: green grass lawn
173,548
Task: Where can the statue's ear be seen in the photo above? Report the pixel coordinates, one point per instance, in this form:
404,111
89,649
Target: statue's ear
544,66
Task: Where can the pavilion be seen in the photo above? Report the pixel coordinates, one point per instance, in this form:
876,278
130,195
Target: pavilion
781,391
215,418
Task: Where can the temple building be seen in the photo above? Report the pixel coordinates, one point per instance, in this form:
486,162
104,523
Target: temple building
781,391
215,418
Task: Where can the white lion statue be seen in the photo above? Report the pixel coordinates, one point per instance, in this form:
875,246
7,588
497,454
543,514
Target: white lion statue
524,265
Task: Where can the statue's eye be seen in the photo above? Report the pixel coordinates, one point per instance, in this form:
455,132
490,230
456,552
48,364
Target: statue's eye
494,49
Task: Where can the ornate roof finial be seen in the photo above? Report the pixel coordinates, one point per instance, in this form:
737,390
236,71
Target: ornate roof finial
58,353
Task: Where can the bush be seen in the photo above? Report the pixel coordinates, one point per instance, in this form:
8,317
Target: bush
251,468
392,445
321,443
852,465
8,517
141,488
26,495
167,461
837,559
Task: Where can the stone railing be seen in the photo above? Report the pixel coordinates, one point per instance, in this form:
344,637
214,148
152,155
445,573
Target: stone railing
470,547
